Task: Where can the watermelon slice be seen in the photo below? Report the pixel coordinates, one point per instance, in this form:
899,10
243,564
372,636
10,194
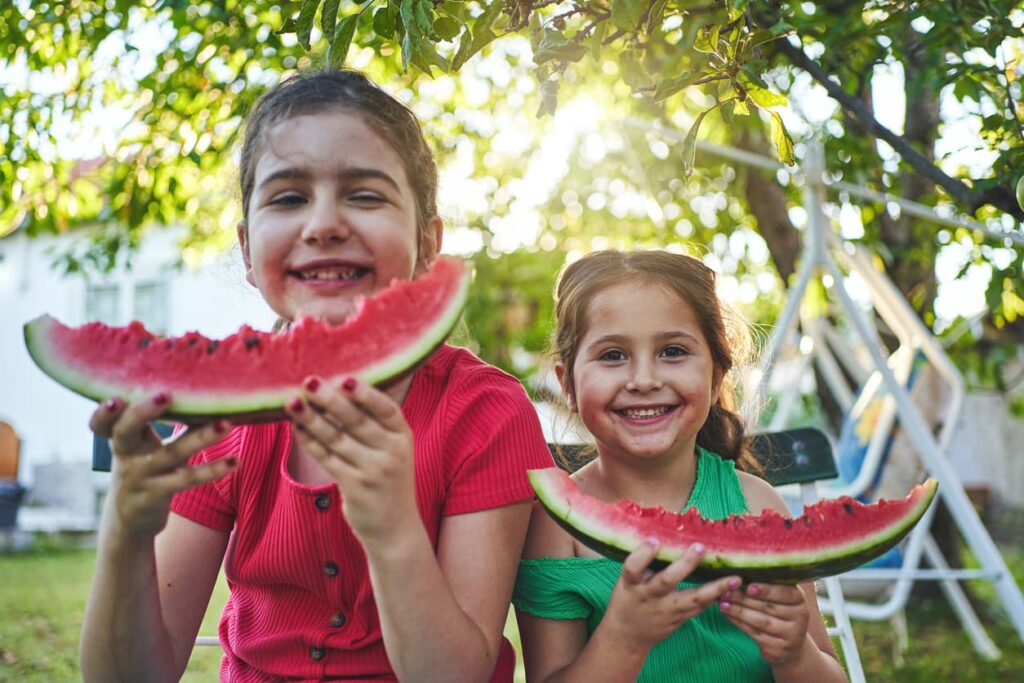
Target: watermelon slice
830,537
248,375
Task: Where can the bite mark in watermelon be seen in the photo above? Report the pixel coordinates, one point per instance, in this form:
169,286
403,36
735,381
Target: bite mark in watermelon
830,537
248,375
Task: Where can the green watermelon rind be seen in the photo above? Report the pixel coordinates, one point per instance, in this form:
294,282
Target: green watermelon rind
196,406
764,567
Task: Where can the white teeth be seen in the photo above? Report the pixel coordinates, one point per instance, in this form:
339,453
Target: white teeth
645,412
347,274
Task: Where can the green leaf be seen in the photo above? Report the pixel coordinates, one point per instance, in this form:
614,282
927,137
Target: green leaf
548,97
384,22
673,85
758,91
689,151
707,39
328,19
554,45
633,71
597,40
343,34
626,14
656,16
478,35
304,24
783,143
447,28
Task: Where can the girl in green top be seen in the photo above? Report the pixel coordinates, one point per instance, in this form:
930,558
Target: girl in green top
644,354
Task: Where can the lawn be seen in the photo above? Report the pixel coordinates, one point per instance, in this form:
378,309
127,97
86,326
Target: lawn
43,591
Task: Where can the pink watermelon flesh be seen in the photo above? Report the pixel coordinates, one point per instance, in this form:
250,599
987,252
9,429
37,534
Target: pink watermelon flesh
830,537
248,375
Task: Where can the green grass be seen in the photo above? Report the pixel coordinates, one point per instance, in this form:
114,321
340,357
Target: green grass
43,592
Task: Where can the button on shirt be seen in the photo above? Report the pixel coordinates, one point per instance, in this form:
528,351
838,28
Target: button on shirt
475,434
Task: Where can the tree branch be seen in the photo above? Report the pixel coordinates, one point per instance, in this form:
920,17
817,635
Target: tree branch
962,193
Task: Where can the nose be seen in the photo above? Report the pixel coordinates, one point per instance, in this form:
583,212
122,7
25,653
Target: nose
324,223
644,378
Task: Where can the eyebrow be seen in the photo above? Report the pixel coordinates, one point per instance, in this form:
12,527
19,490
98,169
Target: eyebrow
347,174
662,336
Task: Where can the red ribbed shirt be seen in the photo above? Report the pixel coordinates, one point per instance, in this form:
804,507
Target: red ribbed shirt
301,605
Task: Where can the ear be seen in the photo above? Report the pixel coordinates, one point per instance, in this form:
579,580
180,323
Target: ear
429,246
243,242
563,379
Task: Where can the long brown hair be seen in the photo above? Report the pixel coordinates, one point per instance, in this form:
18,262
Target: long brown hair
727,336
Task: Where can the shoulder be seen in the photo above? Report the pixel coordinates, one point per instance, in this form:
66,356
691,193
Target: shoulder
545,538
464,379
760,494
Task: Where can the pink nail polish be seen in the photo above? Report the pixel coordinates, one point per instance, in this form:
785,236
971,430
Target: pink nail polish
698,548
312,384
724,605
161,398
733,582
349,384
111,404
752,590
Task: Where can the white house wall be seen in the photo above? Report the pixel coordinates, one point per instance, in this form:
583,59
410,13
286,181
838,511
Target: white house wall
51,420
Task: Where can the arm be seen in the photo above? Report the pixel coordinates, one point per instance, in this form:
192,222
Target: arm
460,596
784,620
146,599
644,609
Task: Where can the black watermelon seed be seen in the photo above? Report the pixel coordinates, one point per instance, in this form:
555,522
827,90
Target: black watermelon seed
169,344
192,342
848,508
212,346
252,342
145,341
788,522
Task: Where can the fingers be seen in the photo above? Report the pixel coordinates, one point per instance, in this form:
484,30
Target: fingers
175,453
766,609
184,478
130,432
357,409
634,567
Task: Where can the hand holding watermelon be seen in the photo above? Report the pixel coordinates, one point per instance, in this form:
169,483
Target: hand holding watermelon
647,606
151,471
774,616
360,437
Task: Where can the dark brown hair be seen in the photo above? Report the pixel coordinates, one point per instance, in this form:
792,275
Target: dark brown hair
727,337
315,92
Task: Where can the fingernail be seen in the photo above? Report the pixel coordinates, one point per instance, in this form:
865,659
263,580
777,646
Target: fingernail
724,605
231,461
752,590
697,548
733,582
220,426
349,384
653,542
296,405
161,398
111,404
312,384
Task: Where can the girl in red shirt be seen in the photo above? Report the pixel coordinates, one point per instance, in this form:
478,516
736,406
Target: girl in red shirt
375,534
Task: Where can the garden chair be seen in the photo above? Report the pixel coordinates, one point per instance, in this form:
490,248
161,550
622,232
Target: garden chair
810,324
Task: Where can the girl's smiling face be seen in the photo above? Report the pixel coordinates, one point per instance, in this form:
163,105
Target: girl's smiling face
332,217
643,378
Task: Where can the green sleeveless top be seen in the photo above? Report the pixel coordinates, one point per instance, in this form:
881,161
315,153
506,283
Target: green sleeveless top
705,649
